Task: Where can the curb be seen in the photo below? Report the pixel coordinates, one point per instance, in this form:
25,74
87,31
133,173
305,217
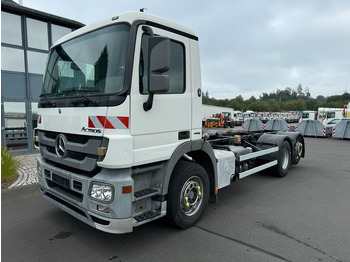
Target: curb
27,173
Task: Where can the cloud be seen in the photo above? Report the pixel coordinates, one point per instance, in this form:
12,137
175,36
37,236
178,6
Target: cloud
249,47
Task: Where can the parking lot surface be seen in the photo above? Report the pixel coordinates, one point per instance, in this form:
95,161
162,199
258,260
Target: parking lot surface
302,217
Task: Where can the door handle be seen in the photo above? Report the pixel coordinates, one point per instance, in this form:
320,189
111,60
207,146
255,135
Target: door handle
184,135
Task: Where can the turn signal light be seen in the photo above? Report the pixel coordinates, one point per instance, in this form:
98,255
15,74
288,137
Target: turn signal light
126,189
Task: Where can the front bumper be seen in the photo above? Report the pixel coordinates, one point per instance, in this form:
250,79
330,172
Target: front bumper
70,192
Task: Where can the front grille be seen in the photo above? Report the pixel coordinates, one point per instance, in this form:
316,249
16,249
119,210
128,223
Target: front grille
77,185
70,206
47,173
81,156
66,191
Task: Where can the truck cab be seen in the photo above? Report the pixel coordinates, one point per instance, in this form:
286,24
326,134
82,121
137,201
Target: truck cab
119,94
308,115
238,117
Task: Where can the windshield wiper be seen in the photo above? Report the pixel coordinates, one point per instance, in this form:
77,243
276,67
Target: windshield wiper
50,102
87,98
80,92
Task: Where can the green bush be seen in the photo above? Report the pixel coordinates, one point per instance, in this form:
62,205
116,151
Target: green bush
9,166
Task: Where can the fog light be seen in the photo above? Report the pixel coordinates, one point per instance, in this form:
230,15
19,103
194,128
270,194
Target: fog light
102,192
103,209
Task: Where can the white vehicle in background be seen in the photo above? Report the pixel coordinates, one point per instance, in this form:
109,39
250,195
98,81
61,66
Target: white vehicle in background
249,114
238,117
266,117
322,112
295,118
336,114
332,123
276,116
260,116
308,115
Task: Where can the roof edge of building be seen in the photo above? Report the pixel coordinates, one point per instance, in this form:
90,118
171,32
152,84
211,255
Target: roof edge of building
19,9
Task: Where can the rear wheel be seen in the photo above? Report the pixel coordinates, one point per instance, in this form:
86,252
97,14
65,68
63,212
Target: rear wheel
284,160
188,194
298,150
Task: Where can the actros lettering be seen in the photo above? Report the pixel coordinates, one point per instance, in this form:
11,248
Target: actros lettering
91,130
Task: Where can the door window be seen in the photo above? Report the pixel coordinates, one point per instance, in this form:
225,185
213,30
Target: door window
176,71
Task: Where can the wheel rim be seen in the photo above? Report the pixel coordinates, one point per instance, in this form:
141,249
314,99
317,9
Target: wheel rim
298,149
191,196
285,158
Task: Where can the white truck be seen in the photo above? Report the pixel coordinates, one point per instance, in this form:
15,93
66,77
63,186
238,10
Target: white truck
308,115
119,128
238,117
208,111
338,113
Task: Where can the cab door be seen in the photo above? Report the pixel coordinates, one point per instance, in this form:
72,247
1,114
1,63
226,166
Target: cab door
157,132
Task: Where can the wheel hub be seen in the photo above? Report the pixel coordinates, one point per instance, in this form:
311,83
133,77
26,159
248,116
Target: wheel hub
298,148
191,196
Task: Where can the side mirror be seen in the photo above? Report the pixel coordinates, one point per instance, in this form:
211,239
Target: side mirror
159,63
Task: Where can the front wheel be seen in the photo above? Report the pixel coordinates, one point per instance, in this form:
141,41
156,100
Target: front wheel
188,194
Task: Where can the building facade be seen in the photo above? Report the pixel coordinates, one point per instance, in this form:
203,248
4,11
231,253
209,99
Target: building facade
26,35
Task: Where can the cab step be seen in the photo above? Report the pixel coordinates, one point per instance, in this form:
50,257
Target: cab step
147,216
147,192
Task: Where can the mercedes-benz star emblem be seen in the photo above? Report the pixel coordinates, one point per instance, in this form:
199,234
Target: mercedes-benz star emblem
61,146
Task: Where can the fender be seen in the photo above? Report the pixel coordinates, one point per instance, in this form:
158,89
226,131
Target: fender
293,136
194,149
273,138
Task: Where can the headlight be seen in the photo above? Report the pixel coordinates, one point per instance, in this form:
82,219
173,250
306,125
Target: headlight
102,192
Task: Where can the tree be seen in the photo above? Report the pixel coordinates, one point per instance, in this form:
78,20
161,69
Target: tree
259,106
236,105
307,92
240,99
300,90
321,98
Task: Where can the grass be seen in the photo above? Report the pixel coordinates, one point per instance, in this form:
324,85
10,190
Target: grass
9,166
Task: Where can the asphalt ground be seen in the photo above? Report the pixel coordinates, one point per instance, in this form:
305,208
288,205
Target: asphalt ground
304,216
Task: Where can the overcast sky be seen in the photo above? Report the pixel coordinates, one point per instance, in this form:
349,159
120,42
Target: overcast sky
248,47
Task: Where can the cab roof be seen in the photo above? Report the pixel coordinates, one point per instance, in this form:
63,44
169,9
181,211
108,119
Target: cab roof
128,17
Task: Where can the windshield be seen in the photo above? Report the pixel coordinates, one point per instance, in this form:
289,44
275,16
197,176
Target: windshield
305,115
330,114
93,63
227,115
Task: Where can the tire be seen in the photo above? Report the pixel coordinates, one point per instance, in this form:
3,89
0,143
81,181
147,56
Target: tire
188,194
284,160
298,150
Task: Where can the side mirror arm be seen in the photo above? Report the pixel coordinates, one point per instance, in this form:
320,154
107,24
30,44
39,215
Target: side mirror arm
148,104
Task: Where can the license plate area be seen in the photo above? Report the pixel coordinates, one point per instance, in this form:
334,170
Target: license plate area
64,182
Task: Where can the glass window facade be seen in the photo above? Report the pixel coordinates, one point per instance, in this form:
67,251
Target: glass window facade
12,59
24,47
11,29
37,34
58,32
15,125
36,62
